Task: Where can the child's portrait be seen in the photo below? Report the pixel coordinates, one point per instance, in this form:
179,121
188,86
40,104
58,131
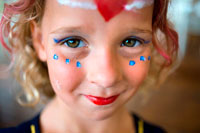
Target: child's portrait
84,60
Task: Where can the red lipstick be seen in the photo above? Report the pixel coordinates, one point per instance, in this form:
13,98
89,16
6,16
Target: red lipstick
101,100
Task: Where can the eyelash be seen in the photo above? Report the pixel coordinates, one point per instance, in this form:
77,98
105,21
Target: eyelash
65,40
137,39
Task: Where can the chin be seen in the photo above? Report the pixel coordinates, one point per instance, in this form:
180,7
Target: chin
102,113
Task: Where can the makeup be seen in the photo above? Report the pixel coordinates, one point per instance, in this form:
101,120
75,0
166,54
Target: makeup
108,8
131,63
101,100
142,58
138,4
78,64
67,61
146,42
78,4
56,40
55,57
135,4
149,57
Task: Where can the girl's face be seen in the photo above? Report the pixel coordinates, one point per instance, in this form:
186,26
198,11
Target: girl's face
94,66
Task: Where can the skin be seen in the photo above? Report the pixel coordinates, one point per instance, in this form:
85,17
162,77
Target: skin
105,67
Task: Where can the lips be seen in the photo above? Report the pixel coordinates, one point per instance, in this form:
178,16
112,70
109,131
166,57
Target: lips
101,100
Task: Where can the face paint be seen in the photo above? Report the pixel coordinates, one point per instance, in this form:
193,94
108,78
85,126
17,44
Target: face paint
149,58
78,64
142,58
56,40
77,4
108,8
132,63
55,57
67,61
138,4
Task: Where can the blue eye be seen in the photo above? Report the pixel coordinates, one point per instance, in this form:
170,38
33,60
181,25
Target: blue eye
71,42
133,42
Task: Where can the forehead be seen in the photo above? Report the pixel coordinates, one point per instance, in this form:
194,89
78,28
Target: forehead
58,15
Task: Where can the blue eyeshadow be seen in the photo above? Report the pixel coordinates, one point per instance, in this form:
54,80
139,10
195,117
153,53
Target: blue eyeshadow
56,40
146,42
61,40
149,58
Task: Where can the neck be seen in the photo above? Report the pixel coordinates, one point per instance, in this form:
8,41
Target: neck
56,117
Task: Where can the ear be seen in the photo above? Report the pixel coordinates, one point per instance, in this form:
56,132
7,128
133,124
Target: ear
37,41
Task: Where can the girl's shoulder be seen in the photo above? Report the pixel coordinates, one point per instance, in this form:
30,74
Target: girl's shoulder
31,126
146,127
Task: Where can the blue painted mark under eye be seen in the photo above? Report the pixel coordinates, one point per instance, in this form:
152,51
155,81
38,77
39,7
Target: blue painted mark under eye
67,61
55,57
132,63
78,64
149,58
142,58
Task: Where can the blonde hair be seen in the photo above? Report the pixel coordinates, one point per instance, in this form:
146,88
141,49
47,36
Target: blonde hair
32,74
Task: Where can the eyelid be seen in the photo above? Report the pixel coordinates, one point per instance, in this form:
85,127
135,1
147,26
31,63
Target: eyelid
139,39
67,38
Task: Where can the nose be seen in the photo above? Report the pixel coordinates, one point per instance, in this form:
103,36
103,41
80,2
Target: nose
104,68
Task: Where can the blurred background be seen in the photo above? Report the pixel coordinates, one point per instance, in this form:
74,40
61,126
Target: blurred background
175,106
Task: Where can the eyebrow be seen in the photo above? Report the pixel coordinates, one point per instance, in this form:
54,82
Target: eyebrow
80,30
71,29
138,31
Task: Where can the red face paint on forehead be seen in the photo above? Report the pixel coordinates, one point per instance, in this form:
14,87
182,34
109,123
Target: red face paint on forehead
110,8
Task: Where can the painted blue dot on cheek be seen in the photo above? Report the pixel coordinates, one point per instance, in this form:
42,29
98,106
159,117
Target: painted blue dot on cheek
142,58
132,63
78,64
67,61
55,57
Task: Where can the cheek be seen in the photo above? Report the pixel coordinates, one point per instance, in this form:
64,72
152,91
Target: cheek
63,76
136,74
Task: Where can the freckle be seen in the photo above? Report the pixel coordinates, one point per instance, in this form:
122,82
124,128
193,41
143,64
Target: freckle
55,57
132,63
67,61
149,58
78,64
142,58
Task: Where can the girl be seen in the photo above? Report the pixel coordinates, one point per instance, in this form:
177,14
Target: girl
93,54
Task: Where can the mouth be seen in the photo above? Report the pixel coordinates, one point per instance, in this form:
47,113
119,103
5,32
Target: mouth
101,100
